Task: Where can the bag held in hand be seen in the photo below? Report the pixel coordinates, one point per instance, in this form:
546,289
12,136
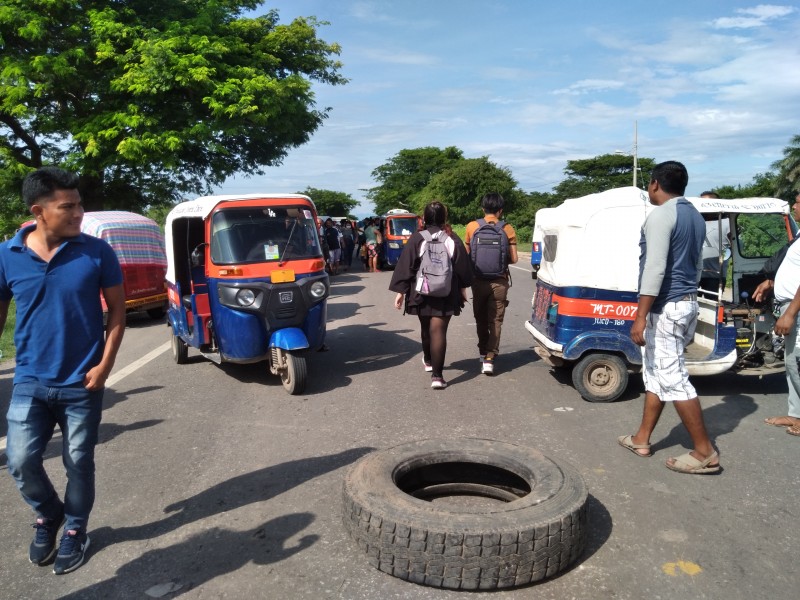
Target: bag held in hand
435,274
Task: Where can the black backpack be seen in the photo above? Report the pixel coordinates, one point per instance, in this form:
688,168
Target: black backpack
488,250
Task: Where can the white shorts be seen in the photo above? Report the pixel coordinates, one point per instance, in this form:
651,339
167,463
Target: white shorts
666,336
334,256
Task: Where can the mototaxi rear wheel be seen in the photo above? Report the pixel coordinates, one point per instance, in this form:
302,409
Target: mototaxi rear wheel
600,377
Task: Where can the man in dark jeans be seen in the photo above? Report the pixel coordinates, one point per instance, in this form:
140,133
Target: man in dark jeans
56,274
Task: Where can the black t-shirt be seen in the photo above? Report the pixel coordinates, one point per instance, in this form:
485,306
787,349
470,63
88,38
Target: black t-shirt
332,237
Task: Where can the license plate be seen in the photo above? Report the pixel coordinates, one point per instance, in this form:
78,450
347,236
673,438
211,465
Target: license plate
282,276
541,304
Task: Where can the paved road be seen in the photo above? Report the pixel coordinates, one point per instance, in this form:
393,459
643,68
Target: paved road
212,482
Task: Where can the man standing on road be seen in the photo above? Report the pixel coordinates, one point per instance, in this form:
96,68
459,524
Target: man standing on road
55,274
669,270
787,296
490,288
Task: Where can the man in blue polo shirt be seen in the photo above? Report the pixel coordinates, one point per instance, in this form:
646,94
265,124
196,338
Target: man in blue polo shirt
55,274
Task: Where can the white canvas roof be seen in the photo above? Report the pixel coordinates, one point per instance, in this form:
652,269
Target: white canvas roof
597,236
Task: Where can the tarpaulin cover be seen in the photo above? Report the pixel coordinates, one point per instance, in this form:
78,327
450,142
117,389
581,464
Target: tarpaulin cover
136,239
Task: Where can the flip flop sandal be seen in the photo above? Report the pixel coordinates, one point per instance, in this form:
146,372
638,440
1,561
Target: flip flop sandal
794,430
626,441
686,463
784,423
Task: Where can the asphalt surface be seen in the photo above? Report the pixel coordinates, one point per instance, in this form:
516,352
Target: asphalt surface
214,483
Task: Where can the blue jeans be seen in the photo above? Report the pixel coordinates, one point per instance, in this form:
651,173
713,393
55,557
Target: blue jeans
34,412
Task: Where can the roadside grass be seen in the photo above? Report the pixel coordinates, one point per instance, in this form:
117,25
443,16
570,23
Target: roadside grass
7,339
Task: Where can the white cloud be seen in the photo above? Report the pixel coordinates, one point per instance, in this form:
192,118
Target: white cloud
589,86
753,17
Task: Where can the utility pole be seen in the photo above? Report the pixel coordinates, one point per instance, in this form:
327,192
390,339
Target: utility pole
635,150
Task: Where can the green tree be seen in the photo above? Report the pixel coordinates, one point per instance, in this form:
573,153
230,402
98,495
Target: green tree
328,202
149,101
462,186
601,173
407,173
788,179
764,185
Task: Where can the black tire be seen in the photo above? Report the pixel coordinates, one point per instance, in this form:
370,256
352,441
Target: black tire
538,530
600,377
294,375
180,350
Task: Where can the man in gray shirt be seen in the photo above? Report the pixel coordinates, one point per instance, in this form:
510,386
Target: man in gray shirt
670,263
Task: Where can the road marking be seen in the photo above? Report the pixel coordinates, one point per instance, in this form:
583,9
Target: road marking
137,364
681,566
118,376
521,268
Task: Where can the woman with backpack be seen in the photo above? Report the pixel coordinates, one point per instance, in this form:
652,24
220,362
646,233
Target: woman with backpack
431,280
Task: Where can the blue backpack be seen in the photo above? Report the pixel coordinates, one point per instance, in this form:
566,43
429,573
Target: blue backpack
488,250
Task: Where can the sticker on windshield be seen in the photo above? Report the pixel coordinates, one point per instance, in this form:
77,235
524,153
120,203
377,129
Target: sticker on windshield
271,252
307,214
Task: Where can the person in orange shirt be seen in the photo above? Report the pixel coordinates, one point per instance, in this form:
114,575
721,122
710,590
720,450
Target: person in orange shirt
489,294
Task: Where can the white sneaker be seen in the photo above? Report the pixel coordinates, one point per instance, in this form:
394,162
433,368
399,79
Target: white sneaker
487,367
437,383
428,366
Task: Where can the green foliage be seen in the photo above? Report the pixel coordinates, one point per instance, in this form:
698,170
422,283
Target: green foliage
787,184
7,346
764,185
760,236
601,173
462,186
150,101
407,173
332,203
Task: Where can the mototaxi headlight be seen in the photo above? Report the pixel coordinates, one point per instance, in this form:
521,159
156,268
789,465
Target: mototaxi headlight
317,290
245,297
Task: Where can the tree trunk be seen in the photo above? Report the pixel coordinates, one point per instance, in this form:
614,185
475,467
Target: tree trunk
91,190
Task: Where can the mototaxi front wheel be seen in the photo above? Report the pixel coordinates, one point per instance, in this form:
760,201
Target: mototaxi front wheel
294,373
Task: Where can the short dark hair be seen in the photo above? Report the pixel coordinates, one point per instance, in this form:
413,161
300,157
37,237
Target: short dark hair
671,176
709,194
435,213
492,203
44,182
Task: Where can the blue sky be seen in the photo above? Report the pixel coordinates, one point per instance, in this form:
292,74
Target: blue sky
533,84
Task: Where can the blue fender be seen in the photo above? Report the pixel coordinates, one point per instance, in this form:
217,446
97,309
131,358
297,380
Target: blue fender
604,341
291,338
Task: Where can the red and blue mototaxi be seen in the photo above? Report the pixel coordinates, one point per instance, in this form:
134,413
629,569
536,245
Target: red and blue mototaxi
586,291
246,281
396,228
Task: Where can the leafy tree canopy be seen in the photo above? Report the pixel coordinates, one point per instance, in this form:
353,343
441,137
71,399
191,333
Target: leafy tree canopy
462,186
149,101
407,173
601,173
762,186
787,183
328,202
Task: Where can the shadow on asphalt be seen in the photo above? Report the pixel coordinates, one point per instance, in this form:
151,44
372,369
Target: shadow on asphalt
107,432
369,350
719,419
201,558
239,491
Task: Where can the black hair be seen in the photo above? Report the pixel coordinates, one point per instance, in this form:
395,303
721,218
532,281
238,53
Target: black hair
44,182
709,194
492,203
435,213
671,176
